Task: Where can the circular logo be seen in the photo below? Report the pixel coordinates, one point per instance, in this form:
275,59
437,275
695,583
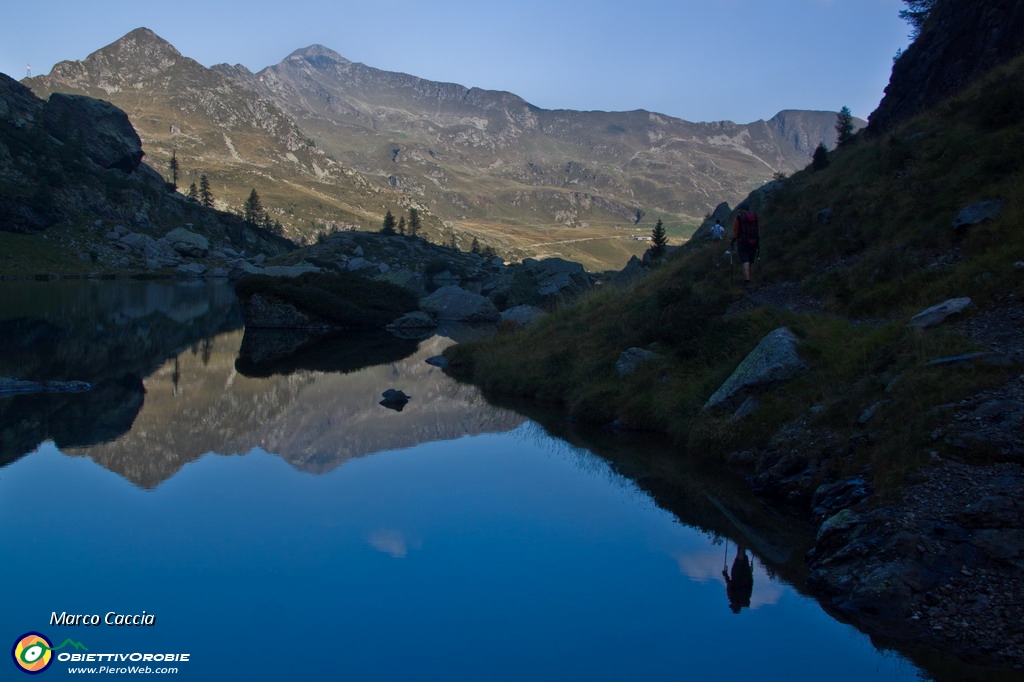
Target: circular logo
33,653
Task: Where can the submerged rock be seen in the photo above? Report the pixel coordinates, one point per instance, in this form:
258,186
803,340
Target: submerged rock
394,399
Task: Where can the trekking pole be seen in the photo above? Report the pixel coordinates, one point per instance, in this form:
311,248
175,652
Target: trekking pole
732,272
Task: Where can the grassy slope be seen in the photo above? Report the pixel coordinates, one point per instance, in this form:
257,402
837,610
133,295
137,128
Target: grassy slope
887,253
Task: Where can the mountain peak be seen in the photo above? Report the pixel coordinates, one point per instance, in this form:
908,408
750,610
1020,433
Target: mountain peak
319,54
144,40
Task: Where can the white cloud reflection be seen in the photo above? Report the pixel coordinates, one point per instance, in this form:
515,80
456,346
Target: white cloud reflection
393,542
707,564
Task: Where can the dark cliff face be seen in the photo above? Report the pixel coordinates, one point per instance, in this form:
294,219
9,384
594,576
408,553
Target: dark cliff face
961,40
47,147
104,131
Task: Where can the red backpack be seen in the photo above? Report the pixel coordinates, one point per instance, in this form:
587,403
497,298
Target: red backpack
749,232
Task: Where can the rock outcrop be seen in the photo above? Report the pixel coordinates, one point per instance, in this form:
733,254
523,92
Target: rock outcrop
456,304
938,313
100,129
773,359
959,42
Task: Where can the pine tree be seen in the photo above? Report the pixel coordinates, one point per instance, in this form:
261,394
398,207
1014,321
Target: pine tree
253,210
173,165
658,236
916,14
193,192
414,222
401,225
205,195
389,223
844,127
819,160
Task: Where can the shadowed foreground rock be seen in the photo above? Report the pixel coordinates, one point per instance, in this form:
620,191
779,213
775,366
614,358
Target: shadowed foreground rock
10,385
773,359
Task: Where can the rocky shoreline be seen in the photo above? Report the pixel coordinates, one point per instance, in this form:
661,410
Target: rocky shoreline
937,564
941,567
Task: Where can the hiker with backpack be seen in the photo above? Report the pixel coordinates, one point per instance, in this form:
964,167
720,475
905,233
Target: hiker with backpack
717,231
746,238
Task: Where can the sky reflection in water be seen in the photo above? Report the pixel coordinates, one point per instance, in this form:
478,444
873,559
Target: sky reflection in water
493,557
288,527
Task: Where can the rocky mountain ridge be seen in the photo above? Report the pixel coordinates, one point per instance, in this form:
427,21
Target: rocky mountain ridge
331,144
73,186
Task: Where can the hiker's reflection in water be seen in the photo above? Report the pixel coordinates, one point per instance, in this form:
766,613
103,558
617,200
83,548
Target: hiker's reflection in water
740,584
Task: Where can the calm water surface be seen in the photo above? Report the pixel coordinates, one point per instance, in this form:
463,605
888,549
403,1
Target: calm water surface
280,524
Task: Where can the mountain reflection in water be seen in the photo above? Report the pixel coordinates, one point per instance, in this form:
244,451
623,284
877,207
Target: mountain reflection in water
480,541
199,403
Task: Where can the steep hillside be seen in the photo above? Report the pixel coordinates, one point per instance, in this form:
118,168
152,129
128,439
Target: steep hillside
958,43
72,183
898,442
331,144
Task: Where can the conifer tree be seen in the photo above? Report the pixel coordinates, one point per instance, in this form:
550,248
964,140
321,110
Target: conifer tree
389,223
193,192
401,224
916,14
414,222
205,195
173,166
658,236
475,246
844,127
253,210
819,160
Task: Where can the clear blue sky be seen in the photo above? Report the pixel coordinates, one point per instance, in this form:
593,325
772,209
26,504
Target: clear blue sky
701,60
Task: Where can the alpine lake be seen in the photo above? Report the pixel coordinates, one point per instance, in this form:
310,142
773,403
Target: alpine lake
248,507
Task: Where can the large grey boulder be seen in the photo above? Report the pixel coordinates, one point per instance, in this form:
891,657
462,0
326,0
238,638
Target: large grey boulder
774,359
544,283
103,131
157,252
188,243
522,315
938,313
269,313
559,278
978,213
456,304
